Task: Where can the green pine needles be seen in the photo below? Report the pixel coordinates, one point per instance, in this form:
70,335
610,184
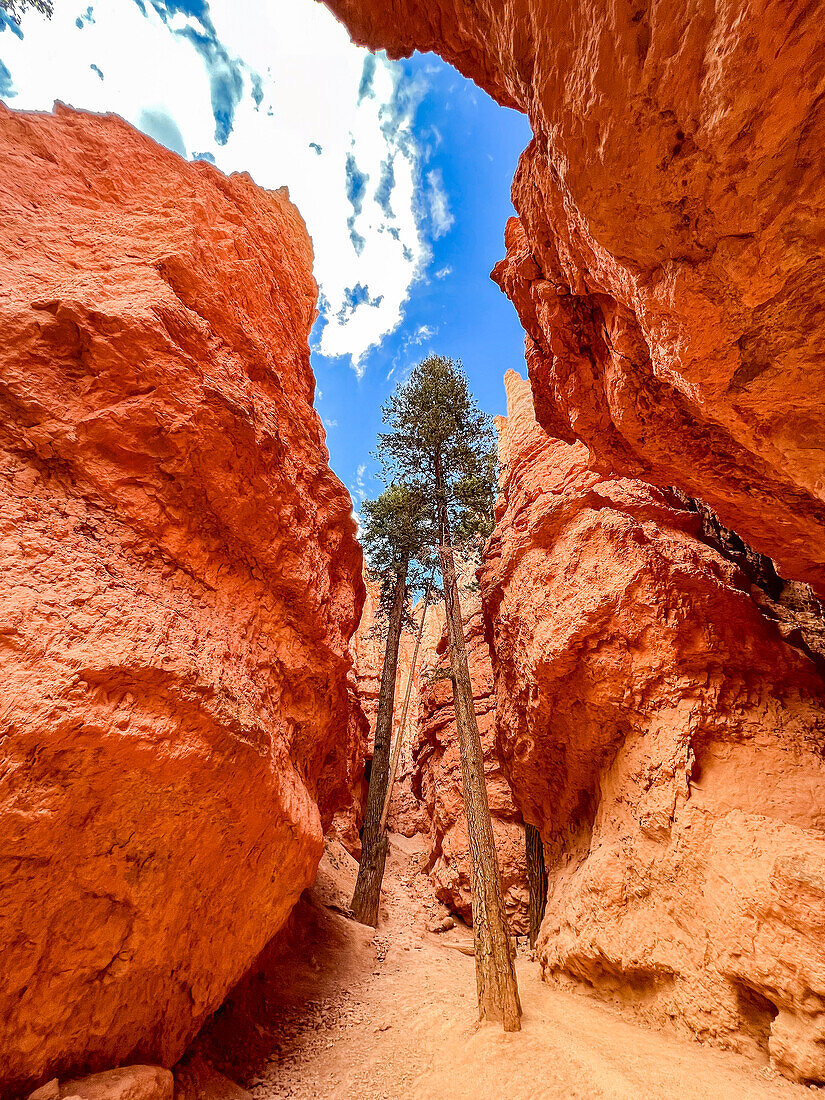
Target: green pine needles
443,447
396,536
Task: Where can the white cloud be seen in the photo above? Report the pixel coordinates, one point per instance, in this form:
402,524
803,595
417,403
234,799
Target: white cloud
441,219
412,340
298,106
359,490
443,272
330,423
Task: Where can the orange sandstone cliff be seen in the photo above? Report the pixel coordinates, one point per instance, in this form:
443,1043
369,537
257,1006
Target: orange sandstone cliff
408,814
661,721
667,263
181,580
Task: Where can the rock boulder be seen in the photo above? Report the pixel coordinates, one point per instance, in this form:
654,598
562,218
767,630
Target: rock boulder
663,727
181,580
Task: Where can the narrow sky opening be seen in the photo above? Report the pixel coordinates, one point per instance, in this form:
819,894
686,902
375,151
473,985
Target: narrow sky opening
401,170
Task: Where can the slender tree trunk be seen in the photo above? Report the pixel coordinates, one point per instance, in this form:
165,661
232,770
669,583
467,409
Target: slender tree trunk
396,751
367,894
536,880
498,998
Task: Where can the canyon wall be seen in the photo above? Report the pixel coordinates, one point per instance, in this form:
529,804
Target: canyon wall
181,581
662,722
668,260
364,685
347,821
436,781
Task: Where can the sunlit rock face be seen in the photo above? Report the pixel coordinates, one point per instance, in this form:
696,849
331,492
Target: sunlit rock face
181,581
667,740
668,263
436,780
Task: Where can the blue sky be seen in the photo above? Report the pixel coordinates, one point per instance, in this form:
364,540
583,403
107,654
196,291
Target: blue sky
455,309
402,171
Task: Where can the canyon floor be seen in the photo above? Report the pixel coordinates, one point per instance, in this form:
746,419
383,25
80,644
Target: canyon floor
344,1012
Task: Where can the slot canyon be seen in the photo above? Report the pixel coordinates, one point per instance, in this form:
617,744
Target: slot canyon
193,637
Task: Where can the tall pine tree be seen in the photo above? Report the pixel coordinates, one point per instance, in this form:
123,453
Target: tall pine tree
440,442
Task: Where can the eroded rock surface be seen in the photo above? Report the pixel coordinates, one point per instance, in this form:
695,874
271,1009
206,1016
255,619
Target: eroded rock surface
408,815
667,263
667,740
436,781
180,583
347,821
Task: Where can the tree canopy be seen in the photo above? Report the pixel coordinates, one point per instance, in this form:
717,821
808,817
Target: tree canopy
397,541
397,536
441,444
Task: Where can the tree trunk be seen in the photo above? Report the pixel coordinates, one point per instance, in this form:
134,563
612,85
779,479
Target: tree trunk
498,998
536,879
396,752
367,894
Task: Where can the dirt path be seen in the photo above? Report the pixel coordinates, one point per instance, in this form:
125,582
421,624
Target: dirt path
345,1014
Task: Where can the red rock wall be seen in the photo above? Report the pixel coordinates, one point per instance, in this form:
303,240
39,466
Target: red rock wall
364,686
181,580
668,743
668,263
436,780
347,821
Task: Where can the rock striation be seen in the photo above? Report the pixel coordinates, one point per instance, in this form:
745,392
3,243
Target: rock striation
436,781
181,581
667,262
663,727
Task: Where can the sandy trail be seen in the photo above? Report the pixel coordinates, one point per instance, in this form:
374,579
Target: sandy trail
345,1013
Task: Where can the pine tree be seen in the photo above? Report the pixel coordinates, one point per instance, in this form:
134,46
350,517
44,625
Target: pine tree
395,536
442,443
